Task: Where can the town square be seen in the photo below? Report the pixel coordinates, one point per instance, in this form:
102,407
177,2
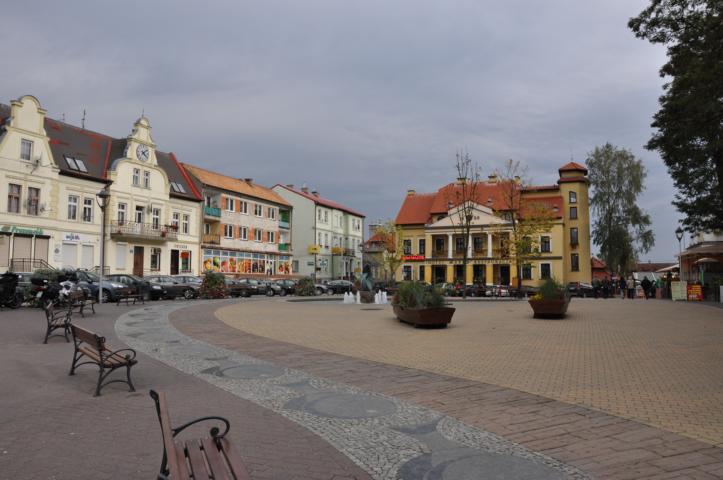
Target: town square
362,240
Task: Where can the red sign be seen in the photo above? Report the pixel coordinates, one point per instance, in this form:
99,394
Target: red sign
695,293
412,258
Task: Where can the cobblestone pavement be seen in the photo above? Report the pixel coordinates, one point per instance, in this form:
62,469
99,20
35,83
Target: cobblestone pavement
657,362
51,427
391,439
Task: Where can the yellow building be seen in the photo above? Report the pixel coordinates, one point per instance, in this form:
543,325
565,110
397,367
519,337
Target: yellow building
434,242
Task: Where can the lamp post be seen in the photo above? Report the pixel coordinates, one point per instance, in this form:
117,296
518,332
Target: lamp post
103,197
679,235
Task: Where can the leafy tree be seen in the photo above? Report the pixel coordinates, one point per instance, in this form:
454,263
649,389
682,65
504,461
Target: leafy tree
213,286
527,218
689,123
621,228
392,239
464,199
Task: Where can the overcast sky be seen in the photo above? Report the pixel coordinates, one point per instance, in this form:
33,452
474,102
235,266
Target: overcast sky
358,99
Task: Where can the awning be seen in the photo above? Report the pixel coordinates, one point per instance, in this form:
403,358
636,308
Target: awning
704,249
672,268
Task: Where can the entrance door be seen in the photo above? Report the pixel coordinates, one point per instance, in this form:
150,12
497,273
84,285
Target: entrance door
504,274
41,248
440,274
174,262
70,255
138,261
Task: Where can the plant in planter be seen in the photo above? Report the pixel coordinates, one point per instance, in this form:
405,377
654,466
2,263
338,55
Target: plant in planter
551,301
213,286
421,305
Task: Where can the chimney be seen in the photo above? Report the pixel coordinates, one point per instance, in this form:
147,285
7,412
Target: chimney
461,180
411,192
315,193
492,178
248,180
304,188
290,185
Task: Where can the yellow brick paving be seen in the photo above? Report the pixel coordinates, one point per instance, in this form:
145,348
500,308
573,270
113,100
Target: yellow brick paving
657,362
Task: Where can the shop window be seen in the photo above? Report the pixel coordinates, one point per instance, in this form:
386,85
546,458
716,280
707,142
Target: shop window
14,198
155,259
573,236
407,272
186,261
573,197
545,271
26,149
72,207
545,246
407,247
527,272
87,210
573,213
575,262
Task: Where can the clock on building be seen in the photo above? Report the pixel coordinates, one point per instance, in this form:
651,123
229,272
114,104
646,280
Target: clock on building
143,153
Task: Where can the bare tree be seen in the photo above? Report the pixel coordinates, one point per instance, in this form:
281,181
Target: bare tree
527,218
391,238
463,197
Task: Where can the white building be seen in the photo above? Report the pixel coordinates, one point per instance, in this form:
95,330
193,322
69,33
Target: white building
326,236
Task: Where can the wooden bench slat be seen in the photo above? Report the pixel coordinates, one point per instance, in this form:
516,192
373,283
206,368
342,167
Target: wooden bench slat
234,460
216,460
181,467
196,459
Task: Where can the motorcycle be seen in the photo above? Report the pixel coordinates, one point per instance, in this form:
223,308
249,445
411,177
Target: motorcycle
9,296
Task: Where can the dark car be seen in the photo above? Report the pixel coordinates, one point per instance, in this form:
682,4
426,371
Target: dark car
140,286
498,291
475,290
253,286
338,286
449,289
90,282
286,287
236,288
172,287
580,289
524,291
194,283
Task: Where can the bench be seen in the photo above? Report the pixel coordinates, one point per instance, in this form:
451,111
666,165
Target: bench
94,350
131,296
58,318
78,301
211,457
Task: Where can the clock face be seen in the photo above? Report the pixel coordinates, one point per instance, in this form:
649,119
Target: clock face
143,153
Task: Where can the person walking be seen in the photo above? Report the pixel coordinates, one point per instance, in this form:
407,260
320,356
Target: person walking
631,287
646,287
623,287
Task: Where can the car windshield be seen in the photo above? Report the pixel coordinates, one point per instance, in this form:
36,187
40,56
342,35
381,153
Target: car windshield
91,276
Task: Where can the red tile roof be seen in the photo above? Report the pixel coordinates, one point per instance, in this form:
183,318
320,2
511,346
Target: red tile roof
322,201
573,167
596,263
416,209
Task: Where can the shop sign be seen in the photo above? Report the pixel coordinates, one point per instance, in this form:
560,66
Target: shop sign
21,230
71,237
314,249
180,246
412,258
695,293
337,250
679,291
310,264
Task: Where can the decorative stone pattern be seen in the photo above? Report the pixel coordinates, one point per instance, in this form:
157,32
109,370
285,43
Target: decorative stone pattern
389,438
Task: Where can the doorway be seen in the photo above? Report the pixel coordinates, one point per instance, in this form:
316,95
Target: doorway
440,274
138,261
174,262
504,274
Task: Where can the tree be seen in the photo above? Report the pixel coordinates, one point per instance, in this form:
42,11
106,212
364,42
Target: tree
527,218
689,124
391,238
464,198
621,227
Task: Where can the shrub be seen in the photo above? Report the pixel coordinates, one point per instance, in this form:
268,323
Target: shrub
551,290
418,295
213,286
306,287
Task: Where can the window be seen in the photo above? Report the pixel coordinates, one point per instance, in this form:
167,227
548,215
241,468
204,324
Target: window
258,234
146,179
186,261
545,246
421,273
573,213
318,215
208,201
26,149
139,214
136,176
573,197
438,244
244,207
527,272
477,244
75,164
459,244
407,272
320,240
526,245
326,216
258,210
407,247
122,213
575,262
72,207
422,246
326,240
88,210
544,271
230,204
185,224
207,229
155,259
573,236
33,200
156,218
272,213
244,234
228,231
272,237
14,198
175,217
178,188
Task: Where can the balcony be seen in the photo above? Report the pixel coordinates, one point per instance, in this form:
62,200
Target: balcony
349,252
284,247
212,212
211,239
284,224
143,231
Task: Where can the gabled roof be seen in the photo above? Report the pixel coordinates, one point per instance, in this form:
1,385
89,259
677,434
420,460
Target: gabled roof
416,209
321,201
98,151
597,264
573,167
242,187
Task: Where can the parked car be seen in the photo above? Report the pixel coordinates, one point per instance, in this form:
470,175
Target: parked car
498,291
172,287
449,289
475,290
237,288
194,283
287,287
25,287
252,286
338,286
140,286
320,289
580,289
90,282
525,291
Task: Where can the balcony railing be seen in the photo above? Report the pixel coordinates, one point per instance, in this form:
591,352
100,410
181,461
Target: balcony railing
349,252
284,247
212,239
284,224
145,231
212,212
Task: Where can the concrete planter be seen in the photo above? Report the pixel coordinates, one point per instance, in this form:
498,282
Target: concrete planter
424,317
556,308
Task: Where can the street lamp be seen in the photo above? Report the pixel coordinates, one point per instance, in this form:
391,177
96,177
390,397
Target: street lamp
679,235
103,197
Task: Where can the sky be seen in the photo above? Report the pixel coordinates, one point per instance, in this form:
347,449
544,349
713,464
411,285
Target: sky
360,100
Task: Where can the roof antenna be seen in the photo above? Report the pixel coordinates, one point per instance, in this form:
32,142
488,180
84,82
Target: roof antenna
143,112
82,121
63,117
572,158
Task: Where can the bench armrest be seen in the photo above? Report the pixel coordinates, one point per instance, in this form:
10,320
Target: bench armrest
108,353
214,431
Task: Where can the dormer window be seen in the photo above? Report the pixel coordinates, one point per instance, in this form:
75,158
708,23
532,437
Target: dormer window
177,187
75,164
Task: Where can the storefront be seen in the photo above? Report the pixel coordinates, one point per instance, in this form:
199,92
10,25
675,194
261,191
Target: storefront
25,246
228,261
181,259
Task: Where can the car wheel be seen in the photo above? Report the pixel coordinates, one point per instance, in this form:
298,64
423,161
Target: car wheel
188,294
106,296
146,296
282,293
318,291
270,292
